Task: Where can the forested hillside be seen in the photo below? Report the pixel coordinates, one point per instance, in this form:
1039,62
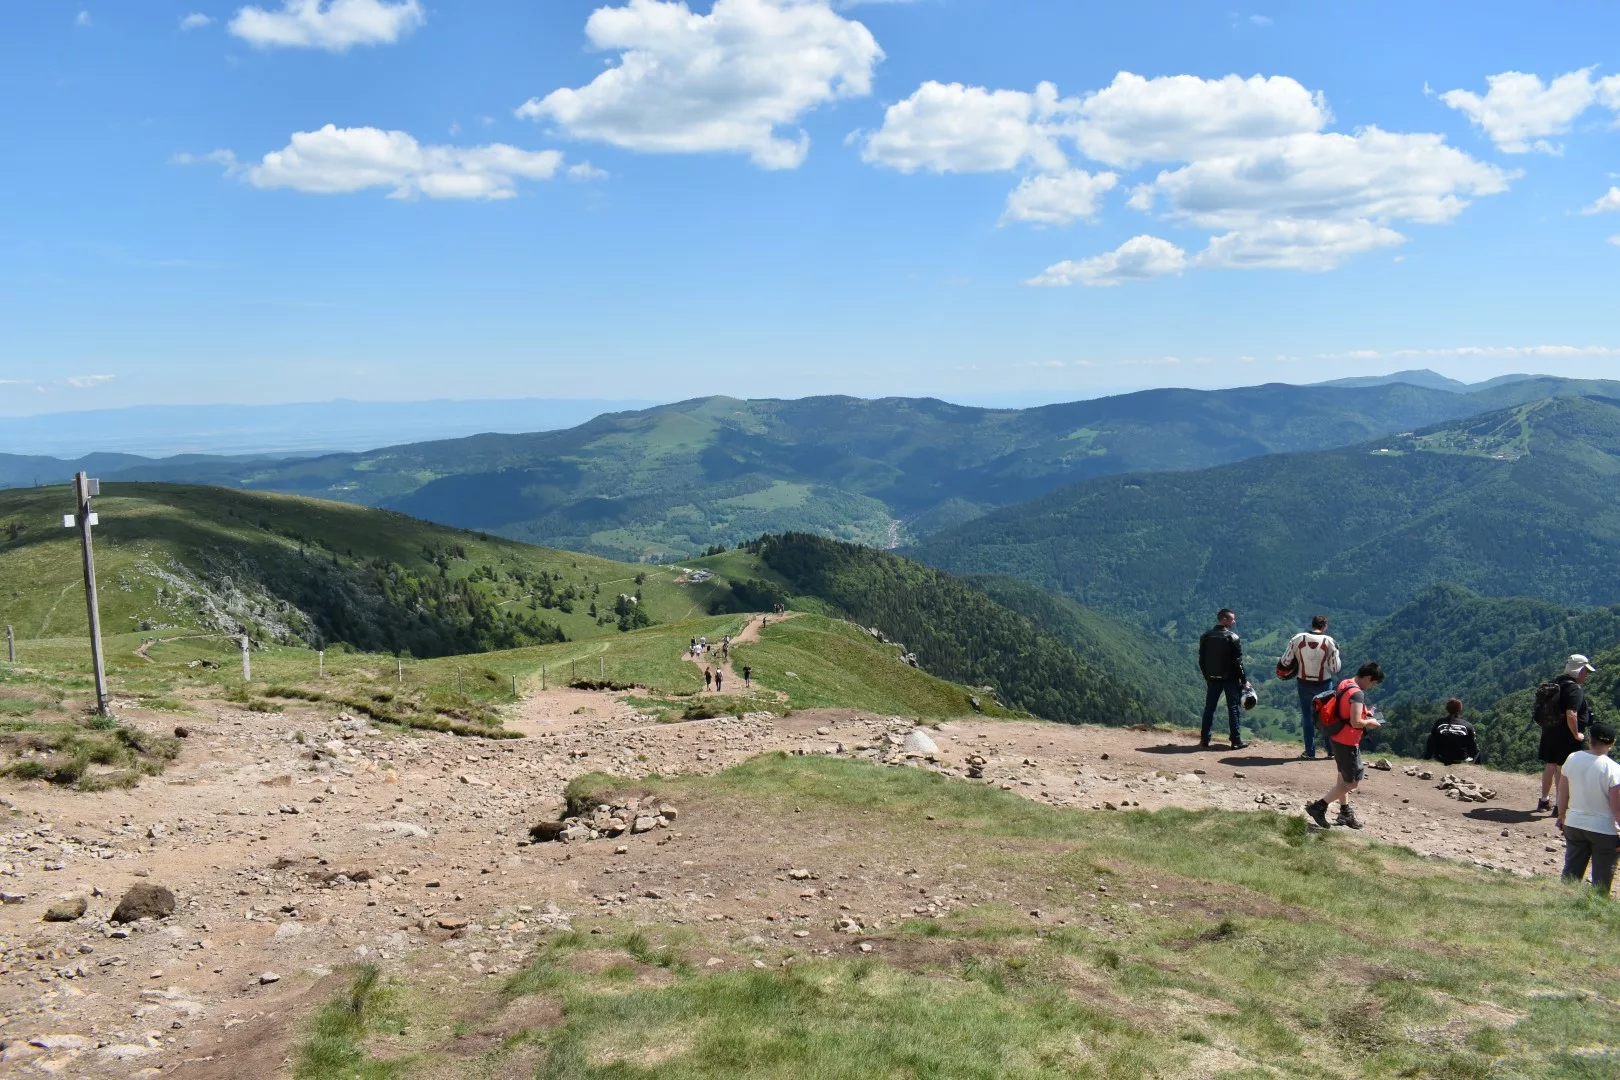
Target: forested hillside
1488,651
674,480
1523,501
292,570
955,631
1162,671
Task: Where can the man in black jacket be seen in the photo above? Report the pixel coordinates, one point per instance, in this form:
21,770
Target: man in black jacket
1220,657
1452,740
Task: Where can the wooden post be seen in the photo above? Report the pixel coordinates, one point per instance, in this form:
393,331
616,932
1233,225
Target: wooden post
601,669
458,681
247,664
542,676
84,489
11,645
321,657
399,670
514,686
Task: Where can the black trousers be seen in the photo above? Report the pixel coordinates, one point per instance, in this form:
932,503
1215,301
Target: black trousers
1213,689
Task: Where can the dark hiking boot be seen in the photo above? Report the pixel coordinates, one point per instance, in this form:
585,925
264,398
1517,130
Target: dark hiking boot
1318,812
1347,817
1239,744
1545,806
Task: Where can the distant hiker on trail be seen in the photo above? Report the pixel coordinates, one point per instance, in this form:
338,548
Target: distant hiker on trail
719,677
708,677
1563,713
1313,658
1220,658
1451,740
748,676
1589,809
1345,718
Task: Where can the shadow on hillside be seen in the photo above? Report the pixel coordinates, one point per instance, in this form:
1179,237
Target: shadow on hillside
1173,748
1503,815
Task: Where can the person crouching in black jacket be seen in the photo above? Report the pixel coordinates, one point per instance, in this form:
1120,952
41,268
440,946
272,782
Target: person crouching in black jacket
1220,657
1451,740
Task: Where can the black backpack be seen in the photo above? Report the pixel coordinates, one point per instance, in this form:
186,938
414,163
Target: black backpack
1549,712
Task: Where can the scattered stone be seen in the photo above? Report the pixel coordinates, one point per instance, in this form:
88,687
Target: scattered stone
71,909
801,875
125,1051
547,831
397,828
59,1042
268,977
919,744
452,922
144,901
1425,775
13,898
1465,790
288,930
181,731
644,824
1382,765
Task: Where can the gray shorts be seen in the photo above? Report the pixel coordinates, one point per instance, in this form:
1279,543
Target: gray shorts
1352,770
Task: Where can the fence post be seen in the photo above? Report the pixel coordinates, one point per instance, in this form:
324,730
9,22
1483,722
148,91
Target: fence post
247,664
11,645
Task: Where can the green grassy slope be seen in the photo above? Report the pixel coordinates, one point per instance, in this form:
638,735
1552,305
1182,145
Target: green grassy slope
1081,944
954,630
1524,501
287,569
676,479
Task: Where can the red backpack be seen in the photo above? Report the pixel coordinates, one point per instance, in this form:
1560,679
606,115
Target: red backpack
1327,708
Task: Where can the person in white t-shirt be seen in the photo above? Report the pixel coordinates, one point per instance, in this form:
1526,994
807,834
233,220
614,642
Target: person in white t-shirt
1315,658
1589,808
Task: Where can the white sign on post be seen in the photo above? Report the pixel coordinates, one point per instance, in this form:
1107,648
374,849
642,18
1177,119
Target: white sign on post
69,521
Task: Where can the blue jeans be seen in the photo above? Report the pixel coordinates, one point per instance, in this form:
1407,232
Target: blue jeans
1308,689
1213,689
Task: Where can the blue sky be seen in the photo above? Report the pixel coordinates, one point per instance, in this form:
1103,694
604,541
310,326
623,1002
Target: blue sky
784,197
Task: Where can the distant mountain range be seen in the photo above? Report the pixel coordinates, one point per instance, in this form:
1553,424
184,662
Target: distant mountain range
1431,380
671,481
1522,501
307,428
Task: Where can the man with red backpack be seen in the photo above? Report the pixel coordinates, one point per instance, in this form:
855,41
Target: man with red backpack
1313,658
1562,713
1345,717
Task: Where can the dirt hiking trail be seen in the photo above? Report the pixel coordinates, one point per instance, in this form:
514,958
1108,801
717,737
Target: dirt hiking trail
294,845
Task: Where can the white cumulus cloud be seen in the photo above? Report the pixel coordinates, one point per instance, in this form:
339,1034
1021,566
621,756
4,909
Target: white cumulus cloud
1183,117
1137,259
333,25
337,160
86,382
735,80
1518,111
1607,203
1296,245
196,21
1060,198
952,128
1326,176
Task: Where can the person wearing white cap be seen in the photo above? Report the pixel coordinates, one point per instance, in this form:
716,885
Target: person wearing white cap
1563,713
